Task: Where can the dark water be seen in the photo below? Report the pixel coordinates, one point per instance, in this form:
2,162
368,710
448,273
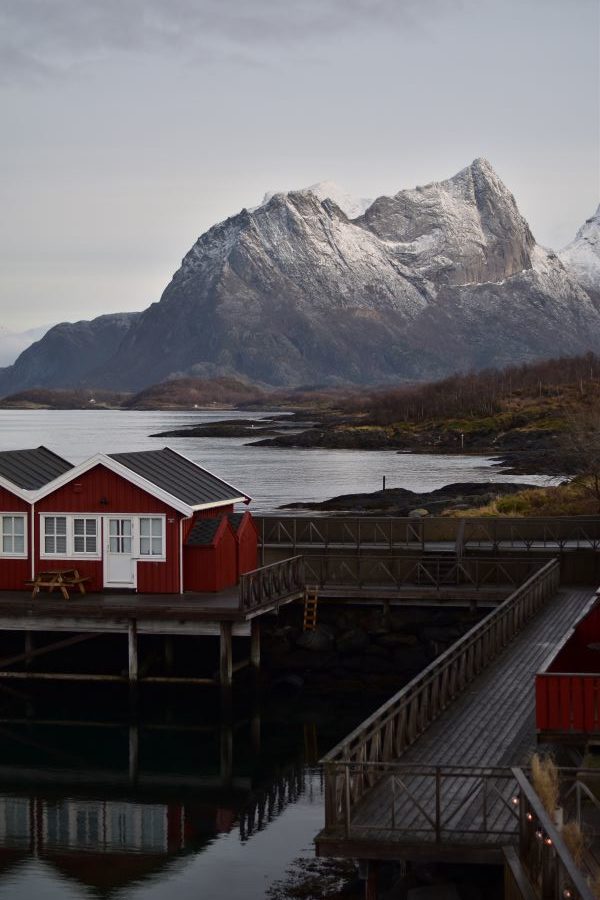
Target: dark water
162,800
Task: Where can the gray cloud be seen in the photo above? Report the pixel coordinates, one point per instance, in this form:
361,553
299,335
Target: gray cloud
40,37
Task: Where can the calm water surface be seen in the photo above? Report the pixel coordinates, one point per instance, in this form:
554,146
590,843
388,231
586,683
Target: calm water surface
271,475
148,807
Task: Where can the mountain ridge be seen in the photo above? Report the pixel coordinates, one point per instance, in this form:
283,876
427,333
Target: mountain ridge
440,277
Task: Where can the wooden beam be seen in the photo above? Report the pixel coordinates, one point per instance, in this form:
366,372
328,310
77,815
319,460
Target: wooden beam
226,655
48,648
255,644
133,650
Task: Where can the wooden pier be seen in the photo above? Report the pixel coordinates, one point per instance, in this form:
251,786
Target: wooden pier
431,774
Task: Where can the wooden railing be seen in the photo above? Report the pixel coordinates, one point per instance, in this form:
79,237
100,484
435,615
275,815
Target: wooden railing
269,584
542,851
397,572
493,532
430,803
401,720
567,703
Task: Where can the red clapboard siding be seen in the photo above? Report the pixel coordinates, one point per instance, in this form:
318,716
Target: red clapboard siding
568,703
14,572
247,541
84,495
212,567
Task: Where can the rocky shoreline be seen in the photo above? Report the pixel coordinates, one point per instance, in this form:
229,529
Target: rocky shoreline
402,502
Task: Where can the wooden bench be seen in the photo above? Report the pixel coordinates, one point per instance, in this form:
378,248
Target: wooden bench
58,579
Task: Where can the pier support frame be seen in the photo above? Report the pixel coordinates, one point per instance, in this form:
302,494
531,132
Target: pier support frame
225,656
255,645
132,644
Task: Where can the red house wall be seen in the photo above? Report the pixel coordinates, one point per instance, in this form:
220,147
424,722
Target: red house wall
83,495
247,546
15,572
212,567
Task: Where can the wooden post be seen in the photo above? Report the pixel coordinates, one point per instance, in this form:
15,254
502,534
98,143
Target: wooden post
226,656
134,753
255,644
133,650
169,653
255,732
29,647
226,753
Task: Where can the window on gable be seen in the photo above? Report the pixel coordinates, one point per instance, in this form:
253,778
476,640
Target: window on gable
151,536
12,533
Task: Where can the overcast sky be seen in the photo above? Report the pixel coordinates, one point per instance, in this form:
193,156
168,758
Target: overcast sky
131,126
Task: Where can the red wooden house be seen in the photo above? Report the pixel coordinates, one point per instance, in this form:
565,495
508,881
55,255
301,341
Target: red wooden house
124,520
568,685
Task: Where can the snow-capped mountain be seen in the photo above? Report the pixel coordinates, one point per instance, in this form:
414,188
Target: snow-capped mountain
329,190
582,255
296,291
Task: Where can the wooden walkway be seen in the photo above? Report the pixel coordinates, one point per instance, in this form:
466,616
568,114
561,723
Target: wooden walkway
450,794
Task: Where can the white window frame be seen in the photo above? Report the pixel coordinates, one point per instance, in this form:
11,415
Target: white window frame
11,554
70,552
151,557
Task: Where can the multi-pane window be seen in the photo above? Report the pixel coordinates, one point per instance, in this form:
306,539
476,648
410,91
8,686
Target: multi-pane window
119,536
85,535
55,535
13,535
151,536
70,536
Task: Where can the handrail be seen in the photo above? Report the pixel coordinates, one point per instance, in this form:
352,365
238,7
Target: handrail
397,724
542,849
547,576
270,584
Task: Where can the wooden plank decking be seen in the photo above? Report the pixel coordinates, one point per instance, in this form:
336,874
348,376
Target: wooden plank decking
425,804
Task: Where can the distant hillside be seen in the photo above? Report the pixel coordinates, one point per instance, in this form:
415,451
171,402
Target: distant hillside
188,393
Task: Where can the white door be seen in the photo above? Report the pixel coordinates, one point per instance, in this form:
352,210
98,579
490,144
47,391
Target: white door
119,563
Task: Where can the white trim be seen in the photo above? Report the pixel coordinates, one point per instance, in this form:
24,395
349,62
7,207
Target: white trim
220,503
101,459
12,488
14,515
151,557
31,520
70,551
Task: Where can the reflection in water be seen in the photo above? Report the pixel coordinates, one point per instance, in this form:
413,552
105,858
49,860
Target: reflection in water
157,805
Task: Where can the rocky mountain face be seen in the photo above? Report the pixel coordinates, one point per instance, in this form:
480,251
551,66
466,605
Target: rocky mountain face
443,277
582,256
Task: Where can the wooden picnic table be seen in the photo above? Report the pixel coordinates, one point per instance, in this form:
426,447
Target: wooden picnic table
58,579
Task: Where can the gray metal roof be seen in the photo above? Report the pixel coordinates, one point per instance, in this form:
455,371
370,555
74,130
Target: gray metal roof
32,469
179,476
203,532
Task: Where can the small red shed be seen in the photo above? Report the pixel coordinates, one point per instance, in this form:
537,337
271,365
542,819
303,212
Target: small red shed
246,538
210,556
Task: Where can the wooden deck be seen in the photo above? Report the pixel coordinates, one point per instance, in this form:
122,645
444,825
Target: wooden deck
449,794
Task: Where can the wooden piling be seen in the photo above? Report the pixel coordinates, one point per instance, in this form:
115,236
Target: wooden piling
133,650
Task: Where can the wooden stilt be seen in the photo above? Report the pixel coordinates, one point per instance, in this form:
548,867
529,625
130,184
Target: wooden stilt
226,656
255,644
226,753
134,753
371,881
255,732
169,653
133,650
29,647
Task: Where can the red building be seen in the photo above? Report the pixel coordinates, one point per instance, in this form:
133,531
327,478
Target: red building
568,686
127,521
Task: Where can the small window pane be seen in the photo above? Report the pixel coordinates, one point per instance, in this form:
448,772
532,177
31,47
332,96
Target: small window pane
114,544
19,543
156,546
61,544
78,544
156,528
126,545
126,527
78,526
7,524
49,526
49,544
90,544
19,525
145,527
7,544
61,525
144,546
90,526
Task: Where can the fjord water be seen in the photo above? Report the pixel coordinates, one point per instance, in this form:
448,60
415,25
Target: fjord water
170,801
271,475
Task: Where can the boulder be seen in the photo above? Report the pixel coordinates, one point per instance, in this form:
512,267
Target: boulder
353,641
320,639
